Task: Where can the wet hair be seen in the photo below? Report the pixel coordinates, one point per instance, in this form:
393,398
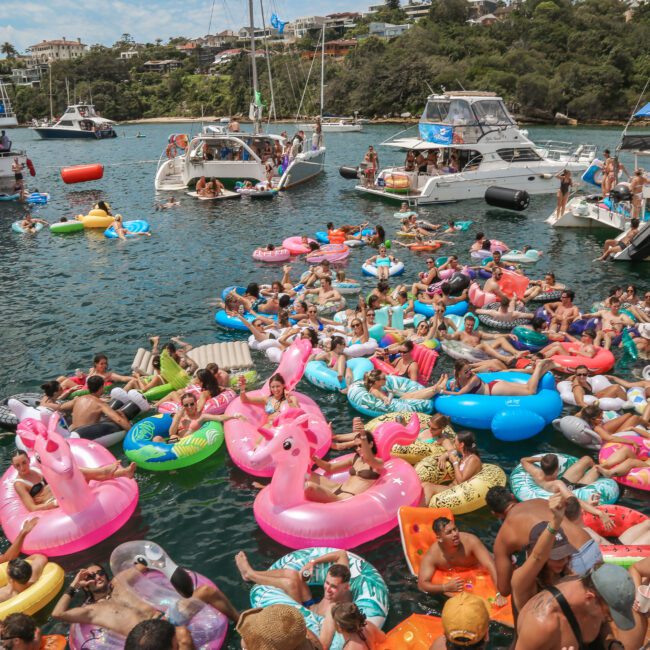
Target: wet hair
19,570
459,365
504,302
498,253
336,340
50,387
340,571
403,294
486,245
549,464
591,333
95,383
468,440
440,420
614,300
550,274
408,345
100,356
498,498
283,317
284,301
634,223
300,303
381,233
582,367
101,205
19,626
573,509
278,379
186,395
350,619
383,286
372,299
312,336
570,293
326,278
371,377
152,634
614,290
330,225
590,413
253,289
538,323
208,382
155,361
479,236
439,524
19,452
313,246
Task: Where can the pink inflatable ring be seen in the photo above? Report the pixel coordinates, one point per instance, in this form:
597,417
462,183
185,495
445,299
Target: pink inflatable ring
637,477
601,363
329,252
295,245
88,512
271,256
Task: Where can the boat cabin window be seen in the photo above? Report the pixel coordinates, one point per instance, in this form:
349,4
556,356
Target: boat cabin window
491,112
70,109
65,123
518,155
455,112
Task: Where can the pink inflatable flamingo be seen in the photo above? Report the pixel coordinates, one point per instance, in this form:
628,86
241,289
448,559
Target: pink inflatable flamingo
242,436
283,512
88,512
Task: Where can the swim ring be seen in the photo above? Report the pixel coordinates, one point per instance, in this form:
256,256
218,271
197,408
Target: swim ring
361,400
96,219
529,339
602,362
36,596
638,477
16,227
426,309
369,591
271,256
295,246
134,227
524,488
395,268
65,227
490,321
597,383
511,418
331,252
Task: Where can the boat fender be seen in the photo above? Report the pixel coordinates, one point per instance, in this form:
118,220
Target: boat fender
349,172
504,197
30,166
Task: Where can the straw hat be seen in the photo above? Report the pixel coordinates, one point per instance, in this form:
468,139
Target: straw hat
277,627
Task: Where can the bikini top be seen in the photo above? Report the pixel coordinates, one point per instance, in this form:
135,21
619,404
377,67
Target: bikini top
368,474
269,407
34,488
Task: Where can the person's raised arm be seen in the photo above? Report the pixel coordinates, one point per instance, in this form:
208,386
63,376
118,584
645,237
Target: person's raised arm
115,416
62,610
528,464
14,550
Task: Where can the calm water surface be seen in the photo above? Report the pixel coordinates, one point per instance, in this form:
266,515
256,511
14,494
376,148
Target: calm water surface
67,297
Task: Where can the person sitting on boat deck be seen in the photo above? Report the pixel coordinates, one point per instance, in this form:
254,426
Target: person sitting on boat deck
453,166
421,163
506,311
614,246
114,605
612,323
325,293
21,575
465,461
28,223
566,183
374,382
562,313
369,166
100,368
546,285
409,162
433,167
468,382
188,419
296,144
336,588
453,550
122,231
207,151
465,622
34,491
364,468
497,346
382,262
200,186
637,182
581,473
279,396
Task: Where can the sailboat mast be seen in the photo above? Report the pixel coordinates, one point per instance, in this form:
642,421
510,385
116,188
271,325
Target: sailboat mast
51,108
256,113
322,73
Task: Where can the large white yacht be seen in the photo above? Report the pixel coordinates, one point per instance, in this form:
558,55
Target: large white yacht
233,156
478,145
78,121
7,115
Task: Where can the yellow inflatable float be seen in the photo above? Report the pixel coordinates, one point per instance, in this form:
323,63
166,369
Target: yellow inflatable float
397,183
34,598
96,218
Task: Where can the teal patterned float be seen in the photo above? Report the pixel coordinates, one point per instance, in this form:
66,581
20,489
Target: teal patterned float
369,591
361,400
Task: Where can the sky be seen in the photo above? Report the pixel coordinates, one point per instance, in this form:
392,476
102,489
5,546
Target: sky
26,22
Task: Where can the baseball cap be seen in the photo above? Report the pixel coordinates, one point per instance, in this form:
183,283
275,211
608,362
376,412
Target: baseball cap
615,586
465,619
561,546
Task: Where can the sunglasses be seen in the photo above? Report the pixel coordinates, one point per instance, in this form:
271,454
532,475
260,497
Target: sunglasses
581,374
99,572
189,403
429,261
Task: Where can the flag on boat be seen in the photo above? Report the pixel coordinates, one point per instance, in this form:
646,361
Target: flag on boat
278,24
436,133
255,109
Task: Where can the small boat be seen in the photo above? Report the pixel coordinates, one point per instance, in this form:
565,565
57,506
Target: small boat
226,194
335,125
7,115
78,121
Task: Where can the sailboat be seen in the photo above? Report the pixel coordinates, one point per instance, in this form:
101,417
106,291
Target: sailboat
218,152
331,124
7,116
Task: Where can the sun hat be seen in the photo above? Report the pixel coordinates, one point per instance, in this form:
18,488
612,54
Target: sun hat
465,619
562,548
644,330
616,587
277,627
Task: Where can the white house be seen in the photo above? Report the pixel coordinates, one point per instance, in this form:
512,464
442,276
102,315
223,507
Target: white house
57,50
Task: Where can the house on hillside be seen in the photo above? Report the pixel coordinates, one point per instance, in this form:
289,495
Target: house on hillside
479,8
127,55
163,67
333,49
386,30
62,50
218,40
300,27
417,10
268,34
29,76
226,56
341,22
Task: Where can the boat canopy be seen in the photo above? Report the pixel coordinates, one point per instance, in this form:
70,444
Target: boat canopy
635,142
417,144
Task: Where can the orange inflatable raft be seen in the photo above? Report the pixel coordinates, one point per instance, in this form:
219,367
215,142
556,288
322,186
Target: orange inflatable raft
415,525
417,632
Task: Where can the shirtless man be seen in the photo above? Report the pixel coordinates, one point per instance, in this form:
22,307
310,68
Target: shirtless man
506,311
28,224
546,476
201,184
325,293
91,408
453,550
562,313
612,323
586,348
21,575
492,284
336,588
608,592
114,605
637,182
518,520
613,246
318,272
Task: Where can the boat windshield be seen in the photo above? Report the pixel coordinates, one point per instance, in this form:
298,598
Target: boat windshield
459,112
492,112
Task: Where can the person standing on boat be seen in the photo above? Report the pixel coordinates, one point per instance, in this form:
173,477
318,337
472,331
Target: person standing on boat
233,125
5,142
17,169
296,144
370,165
317,136
636,187
566,182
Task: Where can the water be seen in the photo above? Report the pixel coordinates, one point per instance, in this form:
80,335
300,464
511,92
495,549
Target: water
67,297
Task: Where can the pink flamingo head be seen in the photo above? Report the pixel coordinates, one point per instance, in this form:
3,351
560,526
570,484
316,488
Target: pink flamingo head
388,434
51,450
292,365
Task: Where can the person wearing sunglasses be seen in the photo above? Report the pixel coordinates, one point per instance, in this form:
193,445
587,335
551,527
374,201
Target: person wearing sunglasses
114,605
562,313
19,632
585,349
581,387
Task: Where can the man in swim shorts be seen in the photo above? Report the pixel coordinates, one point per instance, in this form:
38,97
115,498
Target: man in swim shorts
585,349
336,588
562,313
114,605
612,322
91,408
453,550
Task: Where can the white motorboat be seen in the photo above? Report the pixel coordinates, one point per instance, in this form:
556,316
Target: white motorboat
7,115
592,212
78,121
7,176
566,151
219,153
478,146
335,125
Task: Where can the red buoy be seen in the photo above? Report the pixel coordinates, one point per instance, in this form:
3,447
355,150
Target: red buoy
82,173
30,166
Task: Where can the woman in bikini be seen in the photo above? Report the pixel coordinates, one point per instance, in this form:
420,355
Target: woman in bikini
335,358
279,396
405,365
364,467
35,493
464,459
100,367
145,382
351,624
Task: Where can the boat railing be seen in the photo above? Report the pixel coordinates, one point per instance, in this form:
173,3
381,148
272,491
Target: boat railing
12,153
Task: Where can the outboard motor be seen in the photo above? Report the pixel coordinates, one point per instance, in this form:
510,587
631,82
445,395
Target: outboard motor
620,192
504,197
349,172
